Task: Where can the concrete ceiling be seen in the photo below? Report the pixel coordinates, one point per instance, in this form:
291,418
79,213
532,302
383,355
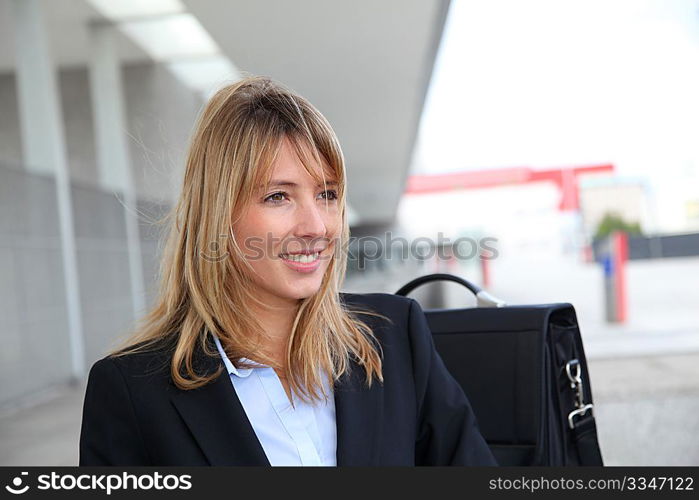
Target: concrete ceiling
66,23
364,64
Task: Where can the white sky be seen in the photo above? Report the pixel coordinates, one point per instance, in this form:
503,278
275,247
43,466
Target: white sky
555,83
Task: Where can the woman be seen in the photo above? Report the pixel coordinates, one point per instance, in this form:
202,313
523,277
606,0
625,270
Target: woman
251,355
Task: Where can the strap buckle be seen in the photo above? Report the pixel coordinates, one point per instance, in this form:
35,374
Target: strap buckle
578,412
573,371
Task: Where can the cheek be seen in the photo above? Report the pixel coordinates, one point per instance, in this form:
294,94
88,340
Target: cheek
250,233
260,224
334,225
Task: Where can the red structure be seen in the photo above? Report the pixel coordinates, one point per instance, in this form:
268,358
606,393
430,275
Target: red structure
565,178
620,253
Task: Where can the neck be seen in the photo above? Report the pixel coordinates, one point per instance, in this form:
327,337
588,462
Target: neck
277,319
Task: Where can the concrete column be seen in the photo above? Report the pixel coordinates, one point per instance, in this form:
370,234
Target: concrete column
44,149
113,161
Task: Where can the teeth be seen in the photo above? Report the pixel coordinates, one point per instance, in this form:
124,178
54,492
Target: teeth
305,259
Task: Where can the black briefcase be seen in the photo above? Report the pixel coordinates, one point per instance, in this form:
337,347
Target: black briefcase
523,369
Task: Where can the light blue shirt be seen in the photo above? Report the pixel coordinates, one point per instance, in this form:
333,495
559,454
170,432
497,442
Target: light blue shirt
304,435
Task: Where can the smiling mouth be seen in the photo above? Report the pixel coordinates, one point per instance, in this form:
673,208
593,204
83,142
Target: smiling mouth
302,258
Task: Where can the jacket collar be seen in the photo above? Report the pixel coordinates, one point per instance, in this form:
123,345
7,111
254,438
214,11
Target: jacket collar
214,415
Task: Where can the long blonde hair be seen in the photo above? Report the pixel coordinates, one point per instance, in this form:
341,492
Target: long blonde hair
234,144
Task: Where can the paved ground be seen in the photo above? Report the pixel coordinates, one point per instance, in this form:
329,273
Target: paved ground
647,409
45,433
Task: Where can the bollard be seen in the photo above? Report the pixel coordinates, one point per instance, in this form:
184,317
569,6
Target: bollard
614,257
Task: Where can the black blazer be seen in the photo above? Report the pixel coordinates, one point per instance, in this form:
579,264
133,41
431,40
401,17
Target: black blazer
133,413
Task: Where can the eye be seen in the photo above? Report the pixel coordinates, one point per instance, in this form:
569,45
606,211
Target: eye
274,198
331,194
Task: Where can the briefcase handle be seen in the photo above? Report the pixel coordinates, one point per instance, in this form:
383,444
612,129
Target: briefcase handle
483,298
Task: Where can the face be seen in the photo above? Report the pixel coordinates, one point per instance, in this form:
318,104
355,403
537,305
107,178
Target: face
292,215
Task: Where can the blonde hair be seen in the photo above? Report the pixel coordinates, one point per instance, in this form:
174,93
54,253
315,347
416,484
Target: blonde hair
235,142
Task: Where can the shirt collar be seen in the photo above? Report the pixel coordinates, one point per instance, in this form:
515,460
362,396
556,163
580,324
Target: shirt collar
238,372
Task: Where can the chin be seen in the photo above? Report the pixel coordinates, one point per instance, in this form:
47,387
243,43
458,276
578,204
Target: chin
305,292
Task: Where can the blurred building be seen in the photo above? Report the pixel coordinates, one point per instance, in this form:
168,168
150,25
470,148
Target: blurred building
624,198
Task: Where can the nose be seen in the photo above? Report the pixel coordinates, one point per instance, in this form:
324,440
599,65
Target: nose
310,221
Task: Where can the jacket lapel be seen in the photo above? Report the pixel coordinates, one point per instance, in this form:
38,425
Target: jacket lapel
216,418
358,416
358,410
214,415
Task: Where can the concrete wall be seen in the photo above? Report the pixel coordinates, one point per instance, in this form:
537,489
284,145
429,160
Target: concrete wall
160,114
35,352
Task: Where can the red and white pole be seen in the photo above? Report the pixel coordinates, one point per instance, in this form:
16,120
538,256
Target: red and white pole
620,252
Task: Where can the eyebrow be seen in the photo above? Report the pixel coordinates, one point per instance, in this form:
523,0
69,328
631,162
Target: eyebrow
276,183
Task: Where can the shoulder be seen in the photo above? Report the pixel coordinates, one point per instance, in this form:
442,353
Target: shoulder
148,363
399,317
383,303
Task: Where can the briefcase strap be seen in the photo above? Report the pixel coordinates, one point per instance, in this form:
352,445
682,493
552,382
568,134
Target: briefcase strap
585,438
581,420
